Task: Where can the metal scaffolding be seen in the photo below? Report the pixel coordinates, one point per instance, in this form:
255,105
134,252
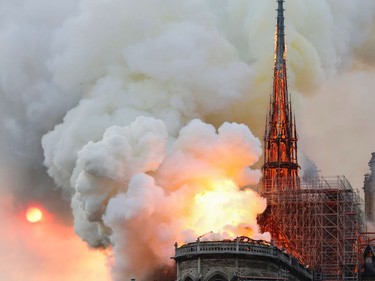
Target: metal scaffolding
319,223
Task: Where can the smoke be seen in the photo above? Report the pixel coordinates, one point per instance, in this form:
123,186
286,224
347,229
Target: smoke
31,102
344,125
140,189
118,83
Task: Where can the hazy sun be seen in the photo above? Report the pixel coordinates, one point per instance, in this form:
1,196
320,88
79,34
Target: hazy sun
34,214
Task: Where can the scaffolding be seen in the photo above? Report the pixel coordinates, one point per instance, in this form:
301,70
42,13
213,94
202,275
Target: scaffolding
319,223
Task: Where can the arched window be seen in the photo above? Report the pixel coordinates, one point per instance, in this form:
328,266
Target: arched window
273,152
283,151
217,277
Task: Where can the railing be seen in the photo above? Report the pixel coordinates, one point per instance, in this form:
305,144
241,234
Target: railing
333,182
232,247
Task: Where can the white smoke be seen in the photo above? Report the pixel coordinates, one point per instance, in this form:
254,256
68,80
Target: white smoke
136,189
103,65
31,103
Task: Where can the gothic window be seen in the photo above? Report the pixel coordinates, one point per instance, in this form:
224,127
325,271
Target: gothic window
273,152
283,152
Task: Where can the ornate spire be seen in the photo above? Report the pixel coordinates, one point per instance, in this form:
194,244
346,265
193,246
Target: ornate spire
280,169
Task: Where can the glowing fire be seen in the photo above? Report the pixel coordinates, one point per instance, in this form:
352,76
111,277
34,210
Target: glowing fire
34,214
222,208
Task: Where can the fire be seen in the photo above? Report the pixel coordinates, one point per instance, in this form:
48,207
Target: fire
224,209
34,214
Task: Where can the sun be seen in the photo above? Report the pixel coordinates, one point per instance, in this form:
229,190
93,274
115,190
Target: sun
34,214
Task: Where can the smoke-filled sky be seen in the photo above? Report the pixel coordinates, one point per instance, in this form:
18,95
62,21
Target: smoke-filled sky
117,119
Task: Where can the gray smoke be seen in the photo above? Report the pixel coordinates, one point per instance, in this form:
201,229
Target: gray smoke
110,85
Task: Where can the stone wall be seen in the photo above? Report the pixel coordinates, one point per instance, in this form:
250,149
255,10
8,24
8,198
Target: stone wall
210,262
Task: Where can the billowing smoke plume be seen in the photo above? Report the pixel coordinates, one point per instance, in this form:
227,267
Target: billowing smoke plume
118,83
140,190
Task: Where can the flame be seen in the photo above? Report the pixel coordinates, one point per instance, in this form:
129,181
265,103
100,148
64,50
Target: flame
223,209
275,45
34,214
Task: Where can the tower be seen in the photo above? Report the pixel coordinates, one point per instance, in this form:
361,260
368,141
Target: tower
369,190
280,168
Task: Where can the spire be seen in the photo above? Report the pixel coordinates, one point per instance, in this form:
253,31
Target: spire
280,37
280,169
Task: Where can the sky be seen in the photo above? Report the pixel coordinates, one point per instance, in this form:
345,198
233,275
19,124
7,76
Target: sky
45,250
109,107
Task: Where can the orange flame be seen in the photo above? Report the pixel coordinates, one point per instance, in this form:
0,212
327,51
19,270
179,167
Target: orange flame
223,209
